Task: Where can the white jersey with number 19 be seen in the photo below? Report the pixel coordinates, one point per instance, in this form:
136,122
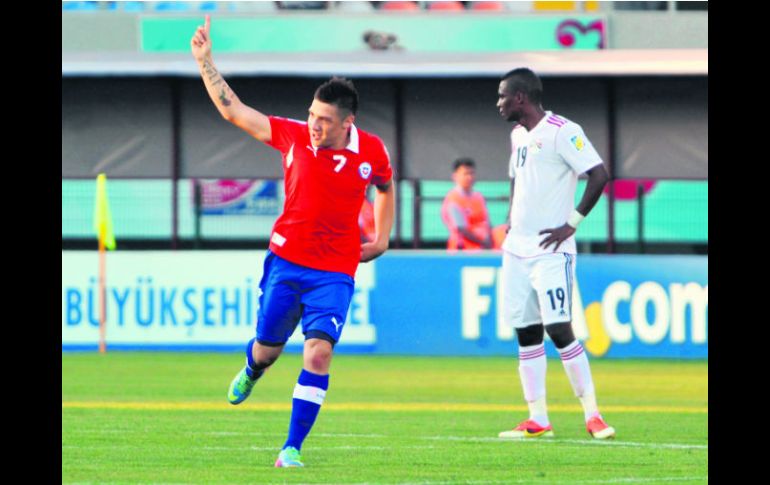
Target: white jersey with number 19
545,164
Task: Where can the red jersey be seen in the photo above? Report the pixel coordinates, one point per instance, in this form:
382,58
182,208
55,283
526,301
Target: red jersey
324,191
366,221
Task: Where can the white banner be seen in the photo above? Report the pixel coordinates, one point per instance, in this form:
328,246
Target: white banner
193,298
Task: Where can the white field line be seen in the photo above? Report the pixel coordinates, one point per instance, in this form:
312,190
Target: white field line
367,406
557,441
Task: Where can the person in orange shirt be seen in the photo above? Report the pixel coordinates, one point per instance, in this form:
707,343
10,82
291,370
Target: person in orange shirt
464,211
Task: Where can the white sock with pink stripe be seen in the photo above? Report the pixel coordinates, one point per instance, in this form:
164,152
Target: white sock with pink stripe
532,365
579,373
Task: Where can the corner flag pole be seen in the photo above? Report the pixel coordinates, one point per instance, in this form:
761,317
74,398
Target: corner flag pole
106,237
102,292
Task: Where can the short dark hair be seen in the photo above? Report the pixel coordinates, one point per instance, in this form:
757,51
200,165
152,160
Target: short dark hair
339,92
525,81
463,162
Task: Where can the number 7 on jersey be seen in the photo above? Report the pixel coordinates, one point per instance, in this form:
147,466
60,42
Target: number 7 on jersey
342,159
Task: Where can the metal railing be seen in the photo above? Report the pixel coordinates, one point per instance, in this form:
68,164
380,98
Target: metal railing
636,216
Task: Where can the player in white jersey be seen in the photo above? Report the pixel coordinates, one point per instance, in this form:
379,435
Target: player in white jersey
549,152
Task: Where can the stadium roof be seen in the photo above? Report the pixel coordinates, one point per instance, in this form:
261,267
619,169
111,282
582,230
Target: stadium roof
396,63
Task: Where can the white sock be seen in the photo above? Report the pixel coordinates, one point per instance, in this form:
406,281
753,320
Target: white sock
532,365
579,373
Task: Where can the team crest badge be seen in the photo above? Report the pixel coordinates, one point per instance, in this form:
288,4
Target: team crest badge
578,142
364,170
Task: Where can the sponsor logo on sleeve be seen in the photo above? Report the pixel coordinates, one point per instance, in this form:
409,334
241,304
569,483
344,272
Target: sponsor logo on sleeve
577,142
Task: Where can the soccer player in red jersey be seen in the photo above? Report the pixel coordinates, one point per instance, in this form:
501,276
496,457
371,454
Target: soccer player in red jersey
315,244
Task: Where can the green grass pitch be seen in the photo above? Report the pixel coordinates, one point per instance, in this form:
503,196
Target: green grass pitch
163,418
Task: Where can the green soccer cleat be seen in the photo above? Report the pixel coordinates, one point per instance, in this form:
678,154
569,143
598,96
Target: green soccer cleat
288,457
240,388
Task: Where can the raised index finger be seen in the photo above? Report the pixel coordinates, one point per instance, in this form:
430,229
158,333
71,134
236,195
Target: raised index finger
207,23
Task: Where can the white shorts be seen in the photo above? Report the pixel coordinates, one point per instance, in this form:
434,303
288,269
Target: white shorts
537,289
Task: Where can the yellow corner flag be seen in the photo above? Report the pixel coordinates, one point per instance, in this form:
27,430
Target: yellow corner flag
102,217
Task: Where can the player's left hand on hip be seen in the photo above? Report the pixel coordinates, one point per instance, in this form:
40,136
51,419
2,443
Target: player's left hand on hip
371,250
556,235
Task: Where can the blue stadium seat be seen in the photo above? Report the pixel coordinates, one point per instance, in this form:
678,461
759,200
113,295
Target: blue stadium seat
302,5
80,6
132,6
172,7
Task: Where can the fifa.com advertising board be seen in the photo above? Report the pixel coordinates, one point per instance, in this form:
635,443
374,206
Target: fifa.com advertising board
405,302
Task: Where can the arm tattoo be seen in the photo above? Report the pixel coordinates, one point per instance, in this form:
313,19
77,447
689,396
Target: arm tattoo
212,73
223,98
215,78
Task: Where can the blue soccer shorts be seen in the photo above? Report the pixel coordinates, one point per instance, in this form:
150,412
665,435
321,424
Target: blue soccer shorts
291,292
